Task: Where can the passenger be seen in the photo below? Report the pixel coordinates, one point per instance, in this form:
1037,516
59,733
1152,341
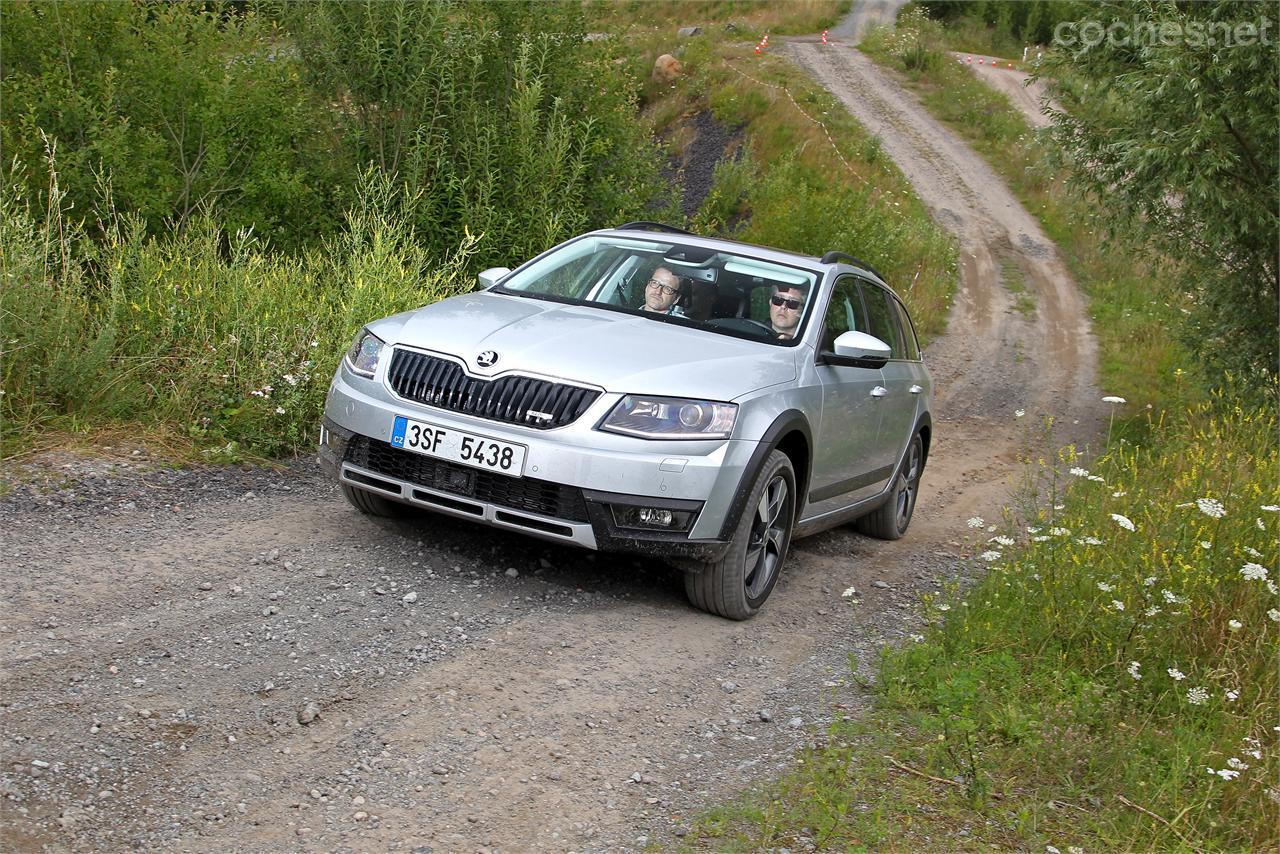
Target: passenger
785,309
662,292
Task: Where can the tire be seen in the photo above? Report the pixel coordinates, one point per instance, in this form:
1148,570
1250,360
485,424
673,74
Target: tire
371,504
890,520
739,583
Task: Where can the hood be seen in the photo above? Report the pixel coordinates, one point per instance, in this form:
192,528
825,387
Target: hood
616,351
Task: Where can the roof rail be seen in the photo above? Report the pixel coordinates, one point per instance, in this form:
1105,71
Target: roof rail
833,256
646,225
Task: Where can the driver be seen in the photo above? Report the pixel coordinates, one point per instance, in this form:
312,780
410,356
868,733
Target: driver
786,305
661,293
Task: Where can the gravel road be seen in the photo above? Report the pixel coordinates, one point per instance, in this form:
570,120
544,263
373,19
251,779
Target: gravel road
229,660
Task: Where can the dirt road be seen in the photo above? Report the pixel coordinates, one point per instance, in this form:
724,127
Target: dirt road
236,661
1025,94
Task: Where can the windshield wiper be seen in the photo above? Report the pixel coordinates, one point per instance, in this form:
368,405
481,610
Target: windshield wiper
499,289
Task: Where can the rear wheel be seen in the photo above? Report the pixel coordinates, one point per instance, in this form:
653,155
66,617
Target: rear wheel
890,521
371,504
739,583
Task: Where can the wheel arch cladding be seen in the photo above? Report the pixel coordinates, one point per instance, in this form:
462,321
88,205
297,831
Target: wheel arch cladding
789,433
925,428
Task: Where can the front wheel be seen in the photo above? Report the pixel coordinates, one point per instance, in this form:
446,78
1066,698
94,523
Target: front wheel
371,504
739,583
890,521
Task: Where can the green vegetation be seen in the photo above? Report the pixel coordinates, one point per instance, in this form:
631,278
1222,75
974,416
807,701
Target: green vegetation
1003,27
1093,673
202,330
1110,682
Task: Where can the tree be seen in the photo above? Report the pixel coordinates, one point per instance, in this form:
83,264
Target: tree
1170,120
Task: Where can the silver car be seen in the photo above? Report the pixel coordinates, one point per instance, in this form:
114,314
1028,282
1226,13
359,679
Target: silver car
643,389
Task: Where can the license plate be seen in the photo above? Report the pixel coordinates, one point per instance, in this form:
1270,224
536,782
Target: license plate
467,448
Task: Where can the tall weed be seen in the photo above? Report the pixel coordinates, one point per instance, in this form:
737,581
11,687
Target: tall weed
200,328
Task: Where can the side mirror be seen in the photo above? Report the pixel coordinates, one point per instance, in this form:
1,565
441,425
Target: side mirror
858,350
488,278
860,345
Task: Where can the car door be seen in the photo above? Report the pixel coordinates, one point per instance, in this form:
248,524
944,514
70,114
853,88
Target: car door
847,465
900,375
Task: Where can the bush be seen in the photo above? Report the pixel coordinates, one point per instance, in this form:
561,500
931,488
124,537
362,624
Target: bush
200,328
180,105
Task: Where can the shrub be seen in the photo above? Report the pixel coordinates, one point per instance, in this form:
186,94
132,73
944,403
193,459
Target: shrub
200,328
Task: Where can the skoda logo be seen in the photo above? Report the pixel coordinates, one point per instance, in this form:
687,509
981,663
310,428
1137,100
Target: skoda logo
487,359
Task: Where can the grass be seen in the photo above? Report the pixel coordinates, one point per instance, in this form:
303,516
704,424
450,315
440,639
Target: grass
1015,282
749,18
203,335
1020,698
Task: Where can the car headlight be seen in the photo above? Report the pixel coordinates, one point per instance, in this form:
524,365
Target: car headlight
362,358
670,418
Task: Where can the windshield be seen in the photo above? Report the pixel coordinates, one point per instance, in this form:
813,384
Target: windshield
709,289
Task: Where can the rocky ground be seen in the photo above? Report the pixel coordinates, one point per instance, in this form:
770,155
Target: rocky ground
221,659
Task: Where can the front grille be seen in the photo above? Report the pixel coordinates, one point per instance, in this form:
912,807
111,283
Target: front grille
511,399
517,493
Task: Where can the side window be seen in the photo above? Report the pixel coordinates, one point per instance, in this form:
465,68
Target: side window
844,312
883,319
908,332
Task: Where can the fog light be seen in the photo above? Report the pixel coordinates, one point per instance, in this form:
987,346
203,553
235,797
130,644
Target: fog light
654,516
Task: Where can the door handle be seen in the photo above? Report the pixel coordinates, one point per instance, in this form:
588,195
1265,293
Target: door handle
879,391
915,389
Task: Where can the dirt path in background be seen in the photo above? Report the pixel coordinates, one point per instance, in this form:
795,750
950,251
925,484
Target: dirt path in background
1025,95
166,633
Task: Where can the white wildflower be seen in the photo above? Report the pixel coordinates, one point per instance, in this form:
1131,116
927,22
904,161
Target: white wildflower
849,592
1235,625
990,556
1018,413
1001,541
1254,572
1205,544
1105,587
1078,472
1237,764
1133,669
1211,507
1271,508
279,410
1124,522
1042,538
1090,541
1176,674
1197,696
975,522
1149,580
1059,532
1271,587
1274,615
1252,552
1111,398
1173,598
944,607
290,379
1117,604
1059,507
1119,493
1227,773
1232,695
315,343
1260,525
1096,478
1049,849
1033,529
1152,611
917,638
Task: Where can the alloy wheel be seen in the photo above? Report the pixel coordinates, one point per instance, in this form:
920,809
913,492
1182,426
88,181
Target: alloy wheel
770,529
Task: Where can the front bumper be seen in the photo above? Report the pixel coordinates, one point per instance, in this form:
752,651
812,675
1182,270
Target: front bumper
574,476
